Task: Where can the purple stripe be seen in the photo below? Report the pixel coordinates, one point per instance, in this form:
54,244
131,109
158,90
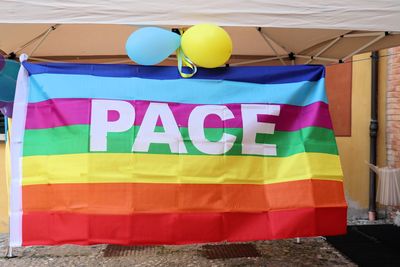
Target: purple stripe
63,112
6,108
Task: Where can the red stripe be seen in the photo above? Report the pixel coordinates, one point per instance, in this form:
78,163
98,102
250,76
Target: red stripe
56,228
64,112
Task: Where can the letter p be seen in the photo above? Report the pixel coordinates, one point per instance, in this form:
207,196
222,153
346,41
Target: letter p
100,126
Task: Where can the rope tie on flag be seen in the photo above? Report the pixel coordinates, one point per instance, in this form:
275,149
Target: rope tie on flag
184,61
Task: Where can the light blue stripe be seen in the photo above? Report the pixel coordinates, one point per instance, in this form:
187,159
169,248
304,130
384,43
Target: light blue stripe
191,91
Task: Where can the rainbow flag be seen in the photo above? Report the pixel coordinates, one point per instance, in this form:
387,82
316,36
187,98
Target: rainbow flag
127,155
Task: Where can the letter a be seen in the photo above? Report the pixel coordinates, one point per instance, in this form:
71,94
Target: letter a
147,135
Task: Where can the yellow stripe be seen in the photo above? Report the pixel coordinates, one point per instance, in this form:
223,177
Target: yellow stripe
152,168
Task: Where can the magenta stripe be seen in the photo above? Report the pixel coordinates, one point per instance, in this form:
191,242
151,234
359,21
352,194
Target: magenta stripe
63,112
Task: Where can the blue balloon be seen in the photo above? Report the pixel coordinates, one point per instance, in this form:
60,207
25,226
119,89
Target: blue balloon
151,45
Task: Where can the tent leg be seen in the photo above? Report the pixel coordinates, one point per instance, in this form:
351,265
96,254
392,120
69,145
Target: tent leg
10,254
298,240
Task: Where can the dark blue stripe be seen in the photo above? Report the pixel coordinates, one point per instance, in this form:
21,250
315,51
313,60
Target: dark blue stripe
261,74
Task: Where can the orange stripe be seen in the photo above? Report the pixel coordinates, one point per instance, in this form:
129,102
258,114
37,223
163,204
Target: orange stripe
139,198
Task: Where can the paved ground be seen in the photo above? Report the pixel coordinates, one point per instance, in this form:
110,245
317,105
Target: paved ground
310,252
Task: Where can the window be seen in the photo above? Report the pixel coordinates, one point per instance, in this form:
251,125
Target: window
2,128
338,89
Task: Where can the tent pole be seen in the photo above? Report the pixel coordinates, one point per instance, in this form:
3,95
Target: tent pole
29,42
292,58
368,34
382,35
255,61
268,40
10,254
334,41
272,40
45,60
373,132
49,30
319,58
32,40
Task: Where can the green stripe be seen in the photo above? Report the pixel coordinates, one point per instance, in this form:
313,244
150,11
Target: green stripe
75,139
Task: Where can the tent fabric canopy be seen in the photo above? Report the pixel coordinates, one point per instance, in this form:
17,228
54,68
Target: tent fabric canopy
263,32
380,15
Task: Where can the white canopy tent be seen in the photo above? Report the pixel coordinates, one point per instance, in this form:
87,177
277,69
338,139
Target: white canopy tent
263,31
366,15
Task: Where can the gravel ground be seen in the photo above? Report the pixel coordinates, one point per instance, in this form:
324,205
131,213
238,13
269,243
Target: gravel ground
310,252
365,222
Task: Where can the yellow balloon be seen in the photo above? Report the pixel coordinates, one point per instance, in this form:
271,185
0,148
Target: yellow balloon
207,45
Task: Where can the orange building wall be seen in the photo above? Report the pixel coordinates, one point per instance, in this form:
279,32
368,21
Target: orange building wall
3,192
354,150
